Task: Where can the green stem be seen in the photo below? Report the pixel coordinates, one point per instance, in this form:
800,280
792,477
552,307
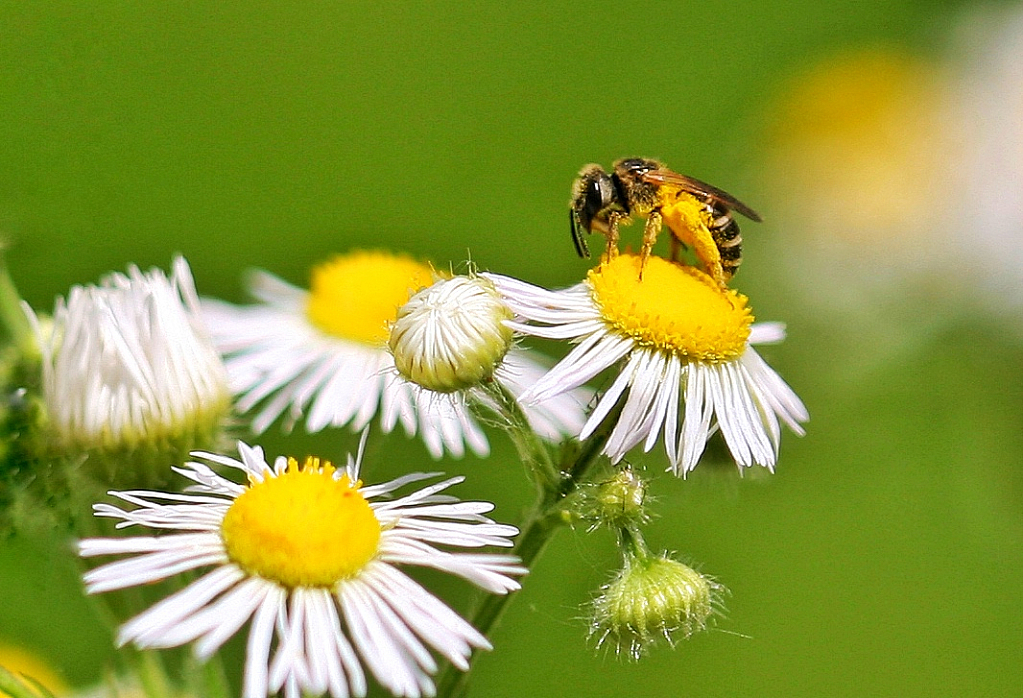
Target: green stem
151,673
534,537
12,315
21,687
208,678
533,451
630,540
548,515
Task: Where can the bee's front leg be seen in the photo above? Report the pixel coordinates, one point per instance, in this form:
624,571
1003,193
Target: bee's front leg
611,248
650,233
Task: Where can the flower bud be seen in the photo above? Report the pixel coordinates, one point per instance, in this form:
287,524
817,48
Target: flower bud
451,336
619,502
649,599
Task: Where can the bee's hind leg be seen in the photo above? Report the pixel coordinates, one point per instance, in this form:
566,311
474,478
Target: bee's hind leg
676,249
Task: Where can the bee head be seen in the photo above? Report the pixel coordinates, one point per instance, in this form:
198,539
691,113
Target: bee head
593,192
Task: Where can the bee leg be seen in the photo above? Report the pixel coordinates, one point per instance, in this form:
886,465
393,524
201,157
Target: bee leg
577,235
709,255
650,233
676,249
611,248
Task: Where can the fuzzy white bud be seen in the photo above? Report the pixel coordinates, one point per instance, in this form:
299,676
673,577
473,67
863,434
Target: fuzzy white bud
452,335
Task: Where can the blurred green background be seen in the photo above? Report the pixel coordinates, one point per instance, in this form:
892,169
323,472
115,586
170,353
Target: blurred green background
885,557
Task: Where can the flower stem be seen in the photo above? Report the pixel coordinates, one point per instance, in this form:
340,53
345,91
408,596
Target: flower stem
548,515
13,320
151,673
532,450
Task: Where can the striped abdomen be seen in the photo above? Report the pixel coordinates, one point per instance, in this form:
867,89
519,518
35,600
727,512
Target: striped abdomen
725,232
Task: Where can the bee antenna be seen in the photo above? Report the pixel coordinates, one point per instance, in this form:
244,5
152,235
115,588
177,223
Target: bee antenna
577,238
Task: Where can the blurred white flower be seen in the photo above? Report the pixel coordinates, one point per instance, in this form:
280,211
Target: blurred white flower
860,173
322,355
988,99
897,177
130,362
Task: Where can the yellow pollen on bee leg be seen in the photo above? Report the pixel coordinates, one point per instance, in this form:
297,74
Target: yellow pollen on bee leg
685,209
689,221
303,528
675,308
356,296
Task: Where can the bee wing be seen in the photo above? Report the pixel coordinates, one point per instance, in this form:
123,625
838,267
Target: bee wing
694,186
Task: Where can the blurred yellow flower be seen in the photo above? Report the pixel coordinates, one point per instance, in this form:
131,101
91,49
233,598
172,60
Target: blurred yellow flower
23,663
892,172
862,156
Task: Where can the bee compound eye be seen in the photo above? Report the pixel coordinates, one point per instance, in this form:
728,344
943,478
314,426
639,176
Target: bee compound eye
594,197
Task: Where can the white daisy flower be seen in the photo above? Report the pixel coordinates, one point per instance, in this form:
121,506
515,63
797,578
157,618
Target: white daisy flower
130,362
310,557
323,354
688,367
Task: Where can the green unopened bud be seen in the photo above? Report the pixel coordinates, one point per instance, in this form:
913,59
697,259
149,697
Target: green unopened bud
651,599
451,336
619,502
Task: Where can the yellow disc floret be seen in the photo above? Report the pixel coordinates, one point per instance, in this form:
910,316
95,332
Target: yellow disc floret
303,528
355,296
674,308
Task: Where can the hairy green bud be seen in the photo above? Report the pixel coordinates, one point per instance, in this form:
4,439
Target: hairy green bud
650,599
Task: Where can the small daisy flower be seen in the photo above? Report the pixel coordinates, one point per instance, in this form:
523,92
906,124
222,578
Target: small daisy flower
129,363
310,557
453,337
688,367
323,354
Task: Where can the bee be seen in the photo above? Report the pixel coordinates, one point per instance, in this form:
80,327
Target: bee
697,214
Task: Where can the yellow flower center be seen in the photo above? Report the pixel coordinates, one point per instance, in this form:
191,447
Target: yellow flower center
356,296
303,528
674,308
